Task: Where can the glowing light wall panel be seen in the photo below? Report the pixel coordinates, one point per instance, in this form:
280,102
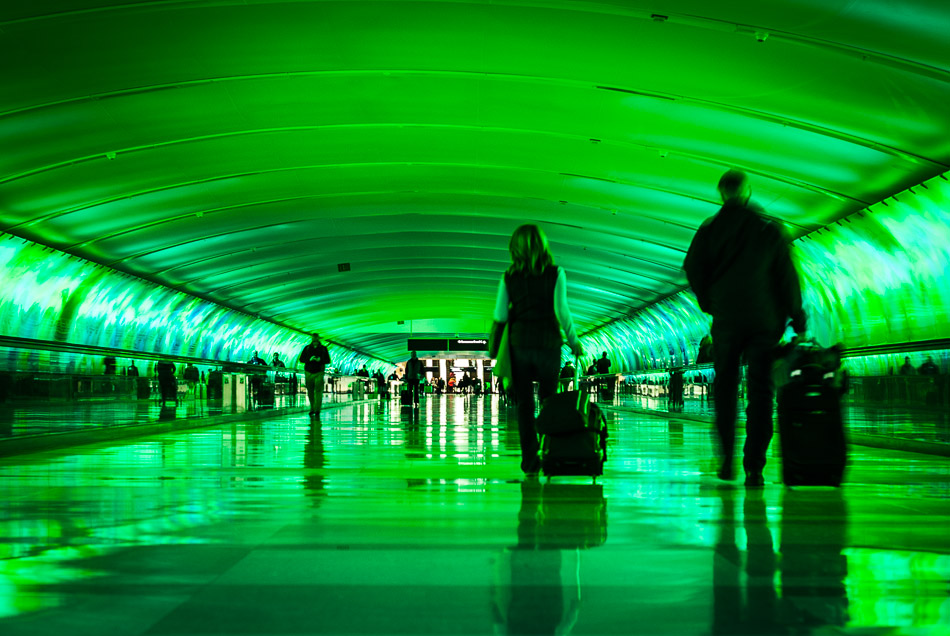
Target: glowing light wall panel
49,295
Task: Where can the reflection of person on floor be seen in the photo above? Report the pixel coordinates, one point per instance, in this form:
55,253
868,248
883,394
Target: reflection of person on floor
814,531
529,595
813,570
744,605
313,461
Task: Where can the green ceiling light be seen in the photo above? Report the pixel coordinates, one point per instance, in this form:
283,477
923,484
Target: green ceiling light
48,295
881,276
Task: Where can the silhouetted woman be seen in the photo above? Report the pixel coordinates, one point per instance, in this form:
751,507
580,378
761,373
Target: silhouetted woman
532,299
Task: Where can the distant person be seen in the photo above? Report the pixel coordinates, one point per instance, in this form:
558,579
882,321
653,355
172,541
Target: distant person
382,387
191,373
908,368
440,386
590,382
532,300
603,364
741,271
363,373
928,367
110,364
133,370
167,384
315,358
568,371
256,359
277,363
603,368
414,376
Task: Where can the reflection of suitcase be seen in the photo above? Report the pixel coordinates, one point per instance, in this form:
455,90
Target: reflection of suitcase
574,440
572,516
811,431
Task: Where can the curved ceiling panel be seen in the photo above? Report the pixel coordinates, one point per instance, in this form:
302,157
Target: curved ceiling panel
242,150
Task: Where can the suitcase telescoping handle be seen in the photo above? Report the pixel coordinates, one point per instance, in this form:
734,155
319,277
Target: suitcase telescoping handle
577,384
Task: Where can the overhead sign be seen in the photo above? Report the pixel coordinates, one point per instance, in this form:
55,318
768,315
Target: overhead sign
468,344
427,344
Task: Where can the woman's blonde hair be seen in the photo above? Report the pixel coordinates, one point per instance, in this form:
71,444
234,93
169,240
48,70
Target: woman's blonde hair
529,249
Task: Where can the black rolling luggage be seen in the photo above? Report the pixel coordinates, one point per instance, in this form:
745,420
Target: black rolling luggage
811,430
143,388
405,397
573,436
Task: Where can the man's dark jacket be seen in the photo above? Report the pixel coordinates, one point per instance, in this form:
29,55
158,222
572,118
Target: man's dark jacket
322,355
741,271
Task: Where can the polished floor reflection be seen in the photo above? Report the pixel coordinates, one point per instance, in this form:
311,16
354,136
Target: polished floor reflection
382,520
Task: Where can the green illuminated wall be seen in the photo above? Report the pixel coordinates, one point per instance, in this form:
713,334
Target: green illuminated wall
881,276
49,295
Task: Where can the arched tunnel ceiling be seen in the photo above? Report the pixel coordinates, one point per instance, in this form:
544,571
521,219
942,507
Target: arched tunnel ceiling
241,150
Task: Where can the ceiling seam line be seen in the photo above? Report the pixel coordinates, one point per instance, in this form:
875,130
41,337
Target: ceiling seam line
718,106
256,173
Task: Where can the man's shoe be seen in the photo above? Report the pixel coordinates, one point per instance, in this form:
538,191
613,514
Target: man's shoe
754,480
725,472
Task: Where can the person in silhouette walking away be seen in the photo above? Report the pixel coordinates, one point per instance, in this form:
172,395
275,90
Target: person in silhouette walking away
741,271
532,299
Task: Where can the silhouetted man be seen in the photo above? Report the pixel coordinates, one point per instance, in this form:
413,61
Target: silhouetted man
741,271
414,374
908,368
315,357
929,367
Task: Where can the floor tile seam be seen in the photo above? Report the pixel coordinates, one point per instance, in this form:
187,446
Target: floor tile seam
861,439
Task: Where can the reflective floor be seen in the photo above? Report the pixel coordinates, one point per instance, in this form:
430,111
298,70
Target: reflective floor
28,418
380,522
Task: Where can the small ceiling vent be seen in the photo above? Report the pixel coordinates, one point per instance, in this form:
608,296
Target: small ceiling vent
343,267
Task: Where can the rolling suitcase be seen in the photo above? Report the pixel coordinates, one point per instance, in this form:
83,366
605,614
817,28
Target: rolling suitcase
574,436
405,397
811,430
